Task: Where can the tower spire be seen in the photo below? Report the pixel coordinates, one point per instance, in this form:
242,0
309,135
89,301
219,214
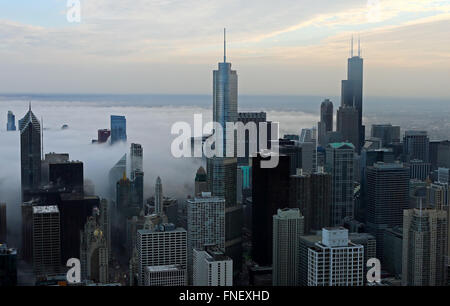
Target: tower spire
29,106
224,45
359,46
351,49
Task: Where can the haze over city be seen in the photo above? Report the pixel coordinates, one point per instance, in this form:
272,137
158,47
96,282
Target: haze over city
287,47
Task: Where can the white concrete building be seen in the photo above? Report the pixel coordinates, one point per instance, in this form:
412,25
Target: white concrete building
163,245
212,268
335,261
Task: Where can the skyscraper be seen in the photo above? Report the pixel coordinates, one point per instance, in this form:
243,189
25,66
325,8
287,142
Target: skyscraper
30,151
225,95
94,253
222,171
312,194
416,145
136,156
339,162
46,240
115,174
118,129
205,223
388,133
288,226
325,124
103,135
158,196
270,192
387,197
348,125
11,124
424,247
352,90
336,261
68,175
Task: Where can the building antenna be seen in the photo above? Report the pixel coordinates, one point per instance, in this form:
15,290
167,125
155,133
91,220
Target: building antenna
224,45
29,106
351,49
359,46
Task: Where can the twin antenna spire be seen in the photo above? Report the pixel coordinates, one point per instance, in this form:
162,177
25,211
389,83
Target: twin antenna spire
359,47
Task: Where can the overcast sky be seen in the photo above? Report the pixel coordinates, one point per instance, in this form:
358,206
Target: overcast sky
295,47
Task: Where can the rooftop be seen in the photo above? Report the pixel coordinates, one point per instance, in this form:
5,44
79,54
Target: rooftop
163,268
45,209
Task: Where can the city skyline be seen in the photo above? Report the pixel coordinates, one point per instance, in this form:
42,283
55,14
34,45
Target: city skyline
283,50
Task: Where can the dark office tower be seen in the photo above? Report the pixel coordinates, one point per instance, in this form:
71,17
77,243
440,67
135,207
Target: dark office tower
137,189
26,251
270,192
8,266
118,129
115,174
416,145
368,158
387,197
30,151
388,133
339,162
68,175
3,227
225,95
103,135
256,118
51,158
46,241
11,124
440,154
294,151
419,170
201,182
347,125
311,193
325,124
352,90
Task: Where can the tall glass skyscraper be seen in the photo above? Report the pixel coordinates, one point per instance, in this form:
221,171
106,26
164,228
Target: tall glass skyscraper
118,129
30,151
352,90
222,171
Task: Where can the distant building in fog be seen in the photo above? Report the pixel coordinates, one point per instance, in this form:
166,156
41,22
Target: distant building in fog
103,135
11,124
118,129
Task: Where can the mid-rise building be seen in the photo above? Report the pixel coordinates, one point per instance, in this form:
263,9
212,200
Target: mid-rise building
336,261
212,268
160,246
